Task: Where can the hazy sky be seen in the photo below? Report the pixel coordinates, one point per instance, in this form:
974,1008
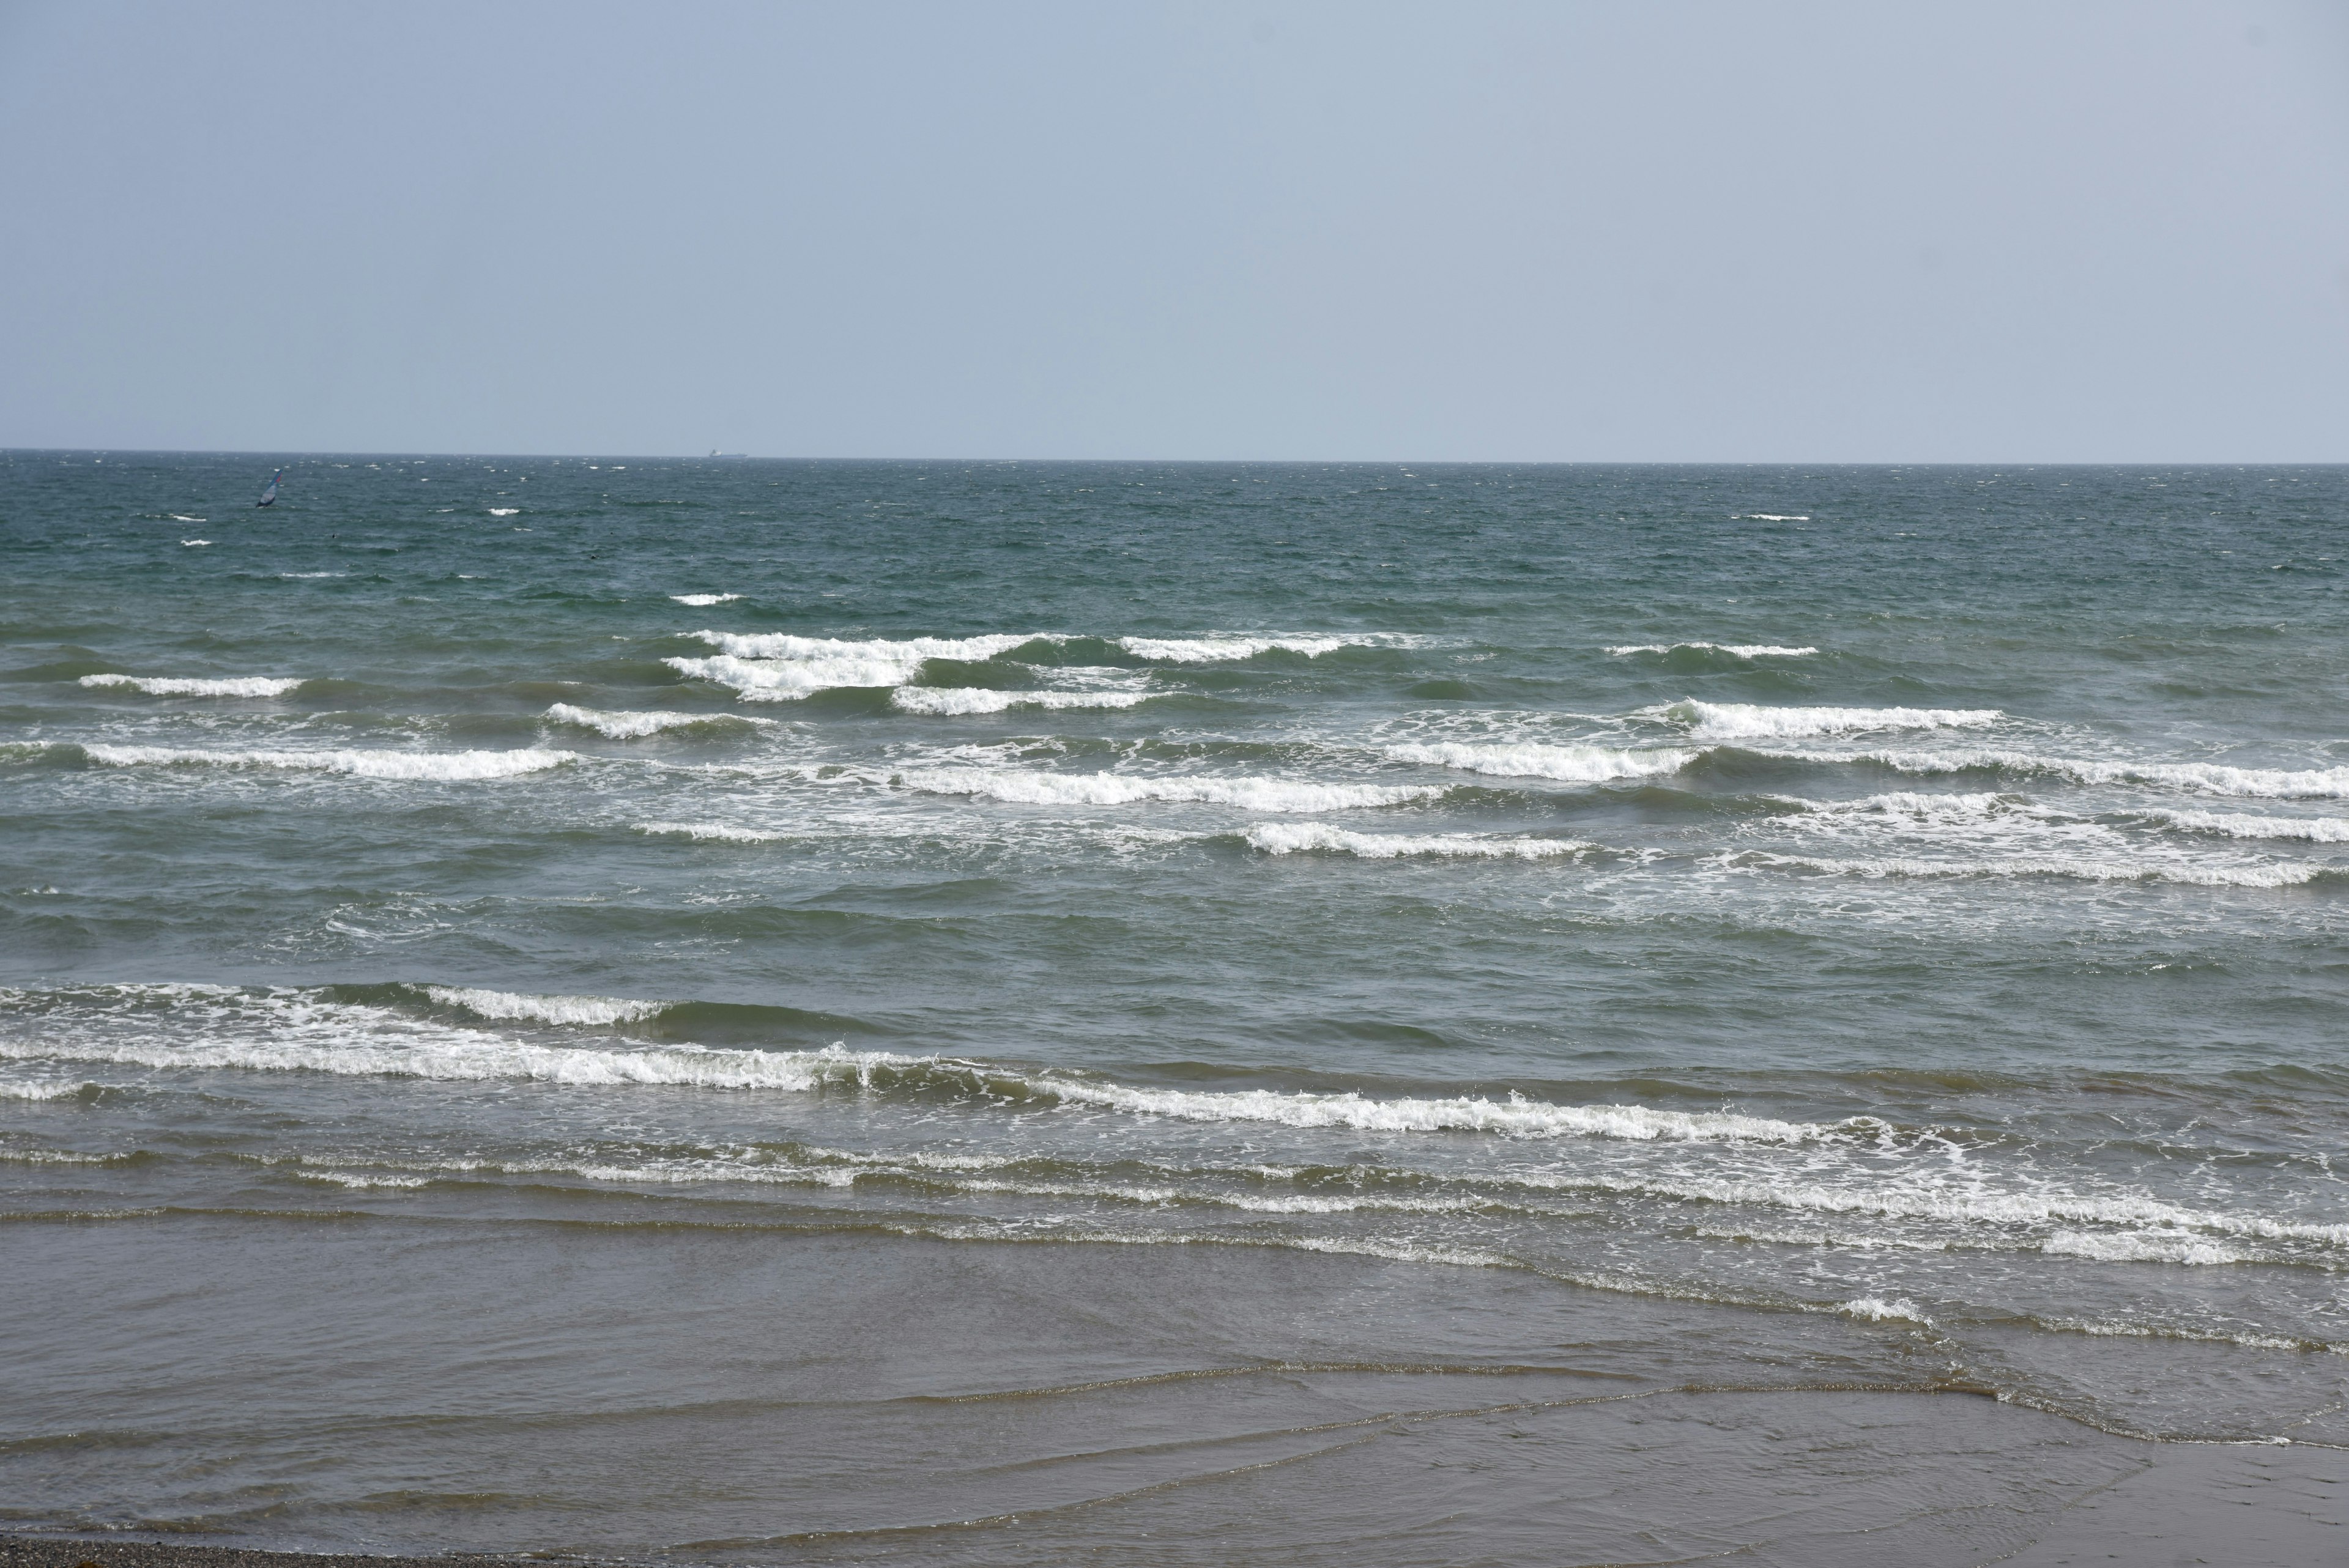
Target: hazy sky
1751,231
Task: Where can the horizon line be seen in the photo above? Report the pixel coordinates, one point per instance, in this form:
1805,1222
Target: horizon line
266,453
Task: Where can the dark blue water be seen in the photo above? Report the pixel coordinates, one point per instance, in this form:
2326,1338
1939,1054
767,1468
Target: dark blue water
1863,928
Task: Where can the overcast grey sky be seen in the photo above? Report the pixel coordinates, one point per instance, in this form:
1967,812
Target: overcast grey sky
1753,230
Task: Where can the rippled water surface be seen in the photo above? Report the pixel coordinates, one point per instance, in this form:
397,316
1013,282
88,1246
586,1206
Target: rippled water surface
726,958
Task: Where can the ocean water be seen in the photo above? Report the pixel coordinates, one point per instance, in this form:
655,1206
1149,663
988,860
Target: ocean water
990,1012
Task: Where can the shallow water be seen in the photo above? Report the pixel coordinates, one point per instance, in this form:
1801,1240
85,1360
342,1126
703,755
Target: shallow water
843,940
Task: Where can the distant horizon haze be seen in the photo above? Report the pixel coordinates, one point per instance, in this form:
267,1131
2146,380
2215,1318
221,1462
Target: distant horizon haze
1804,232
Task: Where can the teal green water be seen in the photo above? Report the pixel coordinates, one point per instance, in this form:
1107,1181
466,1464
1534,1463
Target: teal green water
1867,927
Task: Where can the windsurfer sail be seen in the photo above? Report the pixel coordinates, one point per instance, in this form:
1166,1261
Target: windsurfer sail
269,493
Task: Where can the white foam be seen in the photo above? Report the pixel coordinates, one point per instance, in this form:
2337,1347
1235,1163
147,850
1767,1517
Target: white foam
298,577
719,831
505,511
195,544
178,686
2074,868
1514,1117
1967,1204
775,667
1753,721
1740,649
1215,648
1769,517
703,601
439,766
2167,1246
184,517
958,699
1572,763
349,1042
51,1091
1874,1309
2212,778
2315,829
523,1007
1302,837
634,725
1027,788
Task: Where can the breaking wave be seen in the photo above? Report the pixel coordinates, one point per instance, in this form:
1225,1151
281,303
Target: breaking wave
1753,721
2211,778
1215,650
1571,763
1307,837
720,832
510,1006
1736,650
634,725
1032,788
436,765
958,699
2315,829
180,686
703,601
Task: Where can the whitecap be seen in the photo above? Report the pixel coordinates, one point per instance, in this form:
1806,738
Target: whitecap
1874,1309
959,699
526,1007
1739,649
1216,648
1027,788
634,724
1570,763
177,686
2212,778
505,511
703,601
434,765
2166,1246
1304,838
2315,829
2071,867
719,831
1752,721
195,544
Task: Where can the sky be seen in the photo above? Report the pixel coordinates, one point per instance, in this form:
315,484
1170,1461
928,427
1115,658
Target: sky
1662,232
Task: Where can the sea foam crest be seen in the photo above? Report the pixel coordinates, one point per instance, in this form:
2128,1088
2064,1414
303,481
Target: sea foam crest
1307,837
1216,647
470,1056
634,725
958,700
2070,868
2160,1246
2211,778
510,1006
718,831
1737,650
1513,1117
1526,759
777,667
189,686
438,765
1027,787
1753,720
2315,829
1875,1309
703,601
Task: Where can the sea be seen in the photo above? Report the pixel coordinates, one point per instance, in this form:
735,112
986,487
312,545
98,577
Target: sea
990,1012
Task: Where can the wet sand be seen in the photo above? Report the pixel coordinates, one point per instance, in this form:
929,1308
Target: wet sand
1666,1478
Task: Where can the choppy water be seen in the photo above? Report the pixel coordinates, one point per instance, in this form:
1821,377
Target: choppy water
1712,928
